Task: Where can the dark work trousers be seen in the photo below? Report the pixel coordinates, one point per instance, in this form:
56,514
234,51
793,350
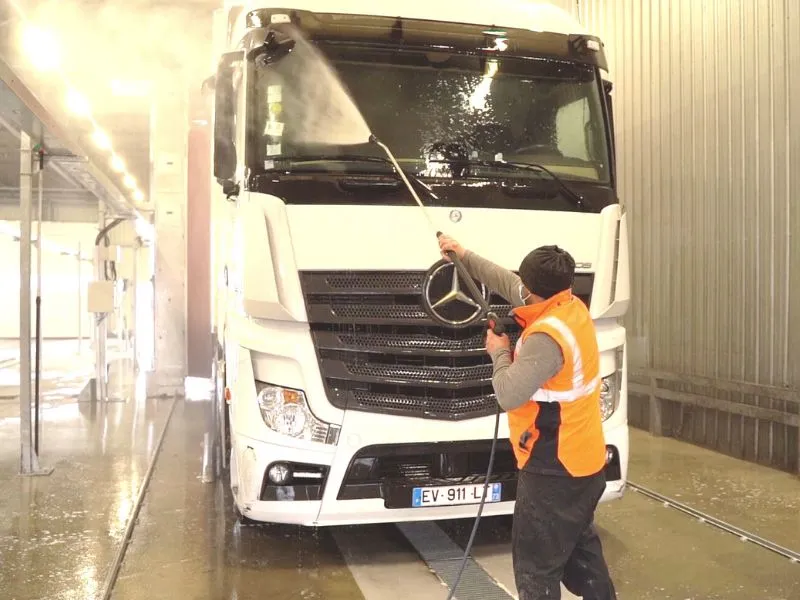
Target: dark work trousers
554,538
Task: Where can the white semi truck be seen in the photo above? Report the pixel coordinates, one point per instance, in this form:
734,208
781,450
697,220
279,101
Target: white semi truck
344,394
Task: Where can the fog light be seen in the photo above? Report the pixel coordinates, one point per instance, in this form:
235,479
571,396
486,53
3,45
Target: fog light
609,455
279,474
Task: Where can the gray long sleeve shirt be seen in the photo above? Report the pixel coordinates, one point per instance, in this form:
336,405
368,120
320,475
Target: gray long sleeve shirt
540,356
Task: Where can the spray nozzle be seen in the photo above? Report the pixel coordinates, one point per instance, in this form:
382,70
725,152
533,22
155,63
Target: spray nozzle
277,45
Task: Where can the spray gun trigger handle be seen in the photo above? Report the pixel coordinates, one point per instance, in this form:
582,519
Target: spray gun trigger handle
494,324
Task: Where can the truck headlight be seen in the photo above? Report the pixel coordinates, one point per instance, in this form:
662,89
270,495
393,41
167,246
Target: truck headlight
609,395
286,412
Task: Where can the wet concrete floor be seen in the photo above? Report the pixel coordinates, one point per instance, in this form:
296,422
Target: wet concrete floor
58,535
189,539
757,499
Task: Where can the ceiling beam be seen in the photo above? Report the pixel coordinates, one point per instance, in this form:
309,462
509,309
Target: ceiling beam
15,131
96,181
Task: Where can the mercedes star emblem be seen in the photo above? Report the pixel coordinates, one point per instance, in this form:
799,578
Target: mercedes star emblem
445,301
455,216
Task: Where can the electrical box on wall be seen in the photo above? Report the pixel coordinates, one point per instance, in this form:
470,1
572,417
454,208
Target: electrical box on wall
100,297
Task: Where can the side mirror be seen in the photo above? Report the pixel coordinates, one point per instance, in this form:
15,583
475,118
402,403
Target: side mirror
230,188
225,118
207,87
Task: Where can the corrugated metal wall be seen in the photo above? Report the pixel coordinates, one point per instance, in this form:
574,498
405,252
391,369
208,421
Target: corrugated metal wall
707,108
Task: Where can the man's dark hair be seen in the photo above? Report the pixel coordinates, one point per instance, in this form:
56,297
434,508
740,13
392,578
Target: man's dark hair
547,271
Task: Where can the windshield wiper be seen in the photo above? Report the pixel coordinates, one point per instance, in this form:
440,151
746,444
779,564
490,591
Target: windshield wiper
576,198
306,158
352,158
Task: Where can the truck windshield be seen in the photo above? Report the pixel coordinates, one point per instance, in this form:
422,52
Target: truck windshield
438,111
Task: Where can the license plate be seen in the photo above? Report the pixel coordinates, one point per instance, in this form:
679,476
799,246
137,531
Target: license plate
455,494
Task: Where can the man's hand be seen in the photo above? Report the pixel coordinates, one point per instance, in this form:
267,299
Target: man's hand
446,243
496,342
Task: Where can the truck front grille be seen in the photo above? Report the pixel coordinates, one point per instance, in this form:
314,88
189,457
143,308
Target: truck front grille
379,351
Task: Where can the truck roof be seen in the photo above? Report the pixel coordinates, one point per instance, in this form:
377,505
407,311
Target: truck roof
522,14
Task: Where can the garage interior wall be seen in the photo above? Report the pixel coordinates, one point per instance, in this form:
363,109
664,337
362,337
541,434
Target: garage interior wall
60,291
707,110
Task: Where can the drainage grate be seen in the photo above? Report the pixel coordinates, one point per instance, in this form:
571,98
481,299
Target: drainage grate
443,556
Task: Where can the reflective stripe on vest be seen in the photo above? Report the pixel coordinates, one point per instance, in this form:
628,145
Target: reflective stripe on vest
579,387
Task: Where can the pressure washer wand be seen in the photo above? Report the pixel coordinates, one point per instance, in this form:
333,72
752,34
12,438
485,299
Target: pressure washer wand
493,321
402,174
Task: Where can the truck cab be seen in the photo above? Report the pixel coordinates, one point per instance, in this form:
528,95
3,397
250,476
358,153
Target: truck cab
341,397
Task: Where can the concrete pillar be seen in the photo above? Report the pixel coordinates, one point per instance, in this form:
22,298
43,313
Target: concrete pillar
145,306
198,241
168,192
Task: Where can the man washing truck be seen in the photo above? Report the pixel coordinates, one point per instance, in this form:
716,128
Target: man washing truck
550,391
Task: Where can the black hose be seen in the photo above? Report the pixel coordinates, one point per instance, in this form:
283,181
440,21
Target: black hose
468,548
106,229
104,234
497,327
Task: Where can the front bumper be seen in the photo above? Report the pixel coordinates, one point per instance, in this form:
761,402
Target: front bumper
343,488
329,494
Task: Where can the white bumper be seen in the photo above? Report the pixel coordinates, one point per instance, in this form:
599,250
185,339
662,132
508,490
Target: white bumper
253,457
294,364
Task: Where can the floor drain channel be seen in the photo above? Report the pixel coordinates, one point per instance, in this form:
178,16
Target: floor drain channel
443,556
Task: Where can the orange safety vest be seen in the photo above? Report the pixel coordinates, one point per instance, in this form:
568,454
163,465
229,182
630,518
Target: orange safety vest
560,431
